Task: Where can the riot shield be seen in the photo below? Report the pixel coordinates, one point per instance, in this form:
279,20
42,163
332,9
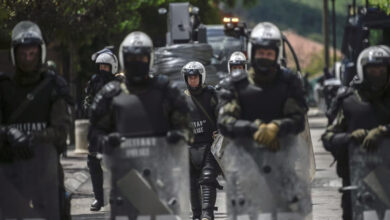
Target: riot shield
308,164
370,178
149,179
267,185
29,188
217,149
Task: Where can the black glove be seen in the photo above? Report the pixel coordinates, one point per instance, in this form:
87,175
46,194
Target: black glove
114,139
174,136
109,142
20,142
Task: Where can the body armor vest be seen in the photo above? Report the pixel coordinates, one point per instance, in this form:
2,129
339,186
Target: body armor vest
36,115
202,127
141,114
264,103
361,114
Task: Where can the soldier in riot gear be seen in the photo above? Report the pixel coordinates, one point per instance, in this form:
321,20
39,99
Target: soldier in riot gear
267,104
107,69
362,114
237,61
261,112
107,66
142,106
203,168
35,118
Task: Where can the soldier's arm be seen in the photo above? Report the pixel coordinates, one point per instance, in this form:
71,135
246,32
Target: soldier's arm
60,116
214,104
60,121
102,122
229,122
179,113
294,110
335,137
88,99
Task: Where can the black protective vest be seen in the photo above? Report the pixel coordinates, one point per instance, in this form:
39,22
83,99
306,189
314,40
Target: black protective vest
358,115
361,114
142,114
203,128
36,115
264,103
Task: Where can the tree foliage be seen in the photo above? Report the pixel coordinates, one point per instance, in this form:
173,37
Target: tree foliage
383,4
78,28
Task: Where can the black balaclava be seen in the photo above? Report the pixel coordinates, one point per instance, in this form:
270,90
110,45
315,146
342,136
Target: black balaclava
137,72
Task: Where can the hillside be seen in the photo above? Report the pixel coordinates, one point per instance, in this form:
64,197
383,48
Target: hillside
302,16
309,52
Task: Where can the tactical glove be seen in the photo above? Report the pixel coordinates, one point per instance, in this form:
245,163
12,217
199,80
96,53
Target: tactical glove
114,139
374,135
174,136
267,134
20,142
358,135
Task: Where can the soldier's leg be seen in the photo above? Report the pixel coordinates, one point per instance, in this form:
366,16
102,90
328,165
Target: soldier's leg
195,192
96,172
64,199
209,185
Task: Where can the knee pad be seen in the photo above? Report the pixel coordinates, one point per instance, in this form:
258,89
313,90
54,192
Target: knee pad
208,177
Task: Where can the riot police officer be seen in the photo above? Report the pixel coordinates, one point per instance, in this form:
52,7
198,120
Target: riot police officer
107,69
35,118
168,114
142,106
107,66
237,61
204,169
362,114
267,104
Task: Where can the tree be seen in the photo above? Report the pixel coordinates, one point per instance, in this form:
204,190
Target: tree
383,4
79,28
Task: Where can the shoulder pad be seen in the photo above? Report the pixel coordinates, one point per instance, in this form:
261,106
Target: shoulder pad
287,74
102,100
225,83
237,76
209,89
161,81
61,86
343,92
110,90
93,77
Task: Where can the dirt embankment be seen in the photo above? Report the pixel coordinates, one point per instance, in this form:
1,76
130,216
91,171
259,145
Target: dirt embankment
305,48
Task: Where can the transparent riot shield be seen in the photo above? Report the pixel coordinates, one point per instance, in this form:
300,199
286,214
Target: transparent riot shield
370,178
307,160
306,167
149,179
267,185
29,188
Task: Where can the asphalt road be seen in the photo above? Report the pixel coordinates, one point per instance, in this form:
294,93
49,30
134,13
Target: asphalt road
325,195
